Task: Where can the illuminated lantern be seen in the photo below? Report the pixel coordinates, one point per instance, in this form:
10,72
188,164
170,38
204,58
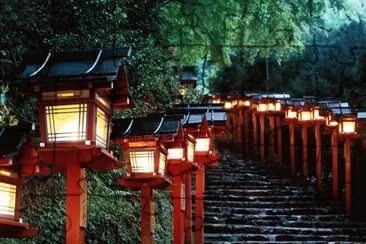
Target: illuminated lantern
316,113
304,114
330,120
262,107
77,92
291,113
347,125
12,146
145,141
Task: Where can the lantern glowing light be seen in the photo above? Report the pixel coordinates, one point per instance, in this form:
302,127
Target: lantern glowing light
316,114
347,125
304,115
7,199
290,113
330,121
262,107
228,105
202,144
175,153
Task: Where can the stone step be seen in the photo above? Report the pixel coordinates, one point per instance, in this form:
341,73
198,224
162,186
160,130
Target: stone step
308,217
278,238
283,230
257,192
284,223
259,204
270,211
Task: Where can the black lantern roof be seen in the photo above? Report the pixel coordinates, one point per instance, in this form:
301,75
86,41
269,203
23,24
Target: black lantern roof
202,106
146,126
195,117
83,69
11,140
47,65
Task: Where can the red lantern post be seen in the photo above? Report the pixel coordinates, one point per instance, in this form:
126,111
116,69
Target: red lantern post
143,141
318,120
181,162
347,131
262,109
205,154
304,116
291,116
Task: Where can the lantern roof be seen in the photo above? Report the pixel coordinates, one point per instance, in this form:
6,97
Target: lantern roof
12,139
339,111
82,69
202,106
146,126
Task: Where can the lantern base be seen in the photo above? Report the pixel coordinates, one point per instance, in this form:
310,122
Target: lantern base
210,159
134,183
352,136
93,158
175,169
15,229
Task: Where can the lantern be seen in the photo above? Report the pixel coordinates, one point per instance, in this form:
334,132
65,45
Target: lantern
304,114
180,154
347,125
76,97
12,143
262,107
330,120
291,113
316,113
196,123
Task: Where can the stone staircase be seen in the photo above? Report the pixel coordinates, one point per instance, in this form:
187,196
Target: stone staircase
249,202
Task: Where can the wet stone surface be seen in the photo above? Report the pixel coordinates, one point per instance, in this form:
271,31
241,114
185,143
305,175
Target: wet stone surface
247,201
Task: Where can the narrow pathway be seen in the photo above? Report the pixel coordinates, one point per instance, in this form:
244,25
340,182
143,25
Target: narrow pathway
248,202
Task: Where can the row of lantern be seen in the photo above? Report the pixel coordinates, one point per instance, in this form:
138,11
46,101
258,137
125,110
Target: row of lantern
160,159
77,94
337,118
158,151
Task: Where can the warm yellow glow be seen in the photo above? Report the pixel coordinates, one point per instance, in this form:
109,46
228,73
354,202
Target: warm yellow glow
5,173
347,127
329,121
290,114
162,163
202,144
216,100
66,122
305,115
7,199
66,94
278,105
247,103
175,153
142,161
316,114
262,107
190,151
271,107
228,105
101,128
